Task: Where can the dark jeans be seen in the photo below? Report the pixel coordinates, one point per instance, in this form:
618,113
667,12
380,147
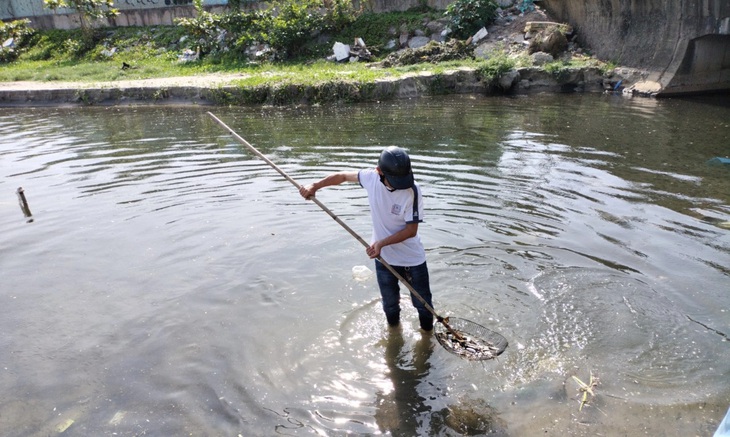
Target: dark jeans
417,276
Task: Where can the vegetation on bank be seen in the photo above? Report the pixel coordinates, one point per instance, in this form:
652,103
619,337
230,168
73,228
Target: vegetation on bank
285,44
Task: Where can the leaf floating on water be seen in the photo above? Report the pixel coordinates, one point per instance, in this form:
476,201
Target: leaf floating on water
117,418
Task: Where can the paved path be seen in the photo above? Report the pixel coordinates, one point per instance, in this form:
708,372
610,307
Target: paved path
196,89
200,81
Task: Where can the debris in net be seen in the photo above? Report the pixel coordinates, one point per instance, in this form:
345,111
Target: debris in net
468,347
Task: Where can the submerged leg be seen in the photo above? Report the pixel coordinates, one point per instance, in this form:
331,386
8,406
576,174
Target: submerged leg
389,292
417,276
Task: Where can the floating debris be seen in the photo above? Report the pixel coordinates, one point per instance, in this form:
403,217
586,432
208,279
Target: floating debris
63,426
24,204
718,161
117,418
361,273
586,389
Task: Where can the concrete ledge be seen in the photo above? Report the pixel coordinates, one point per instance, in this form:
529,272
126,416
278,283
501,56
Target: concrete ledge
203,90
101,96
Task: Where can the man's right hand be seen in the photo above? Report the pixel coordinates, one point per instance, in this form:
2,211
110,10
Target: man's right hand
307,191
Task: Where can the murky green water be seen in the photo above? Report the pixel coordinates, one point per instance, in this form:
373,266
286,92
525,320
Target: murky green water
169,283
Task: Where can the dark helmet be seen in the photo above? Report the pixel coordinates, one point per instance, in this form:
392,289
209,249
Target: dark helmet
396,166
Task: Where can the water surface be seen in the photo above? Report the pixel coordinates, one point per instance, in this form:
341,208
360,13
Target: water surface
170,283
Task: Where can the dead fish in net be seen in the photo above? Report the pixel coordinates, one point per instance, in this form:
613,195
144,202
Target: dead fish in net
468,347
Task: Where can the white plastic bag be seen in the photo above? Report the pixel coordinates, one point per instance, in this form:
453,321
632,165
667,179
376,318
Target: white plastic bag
361,273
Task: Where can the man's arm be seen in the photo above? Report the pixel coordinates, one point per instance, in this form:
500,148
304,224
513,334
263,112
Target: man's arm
409,231
308,191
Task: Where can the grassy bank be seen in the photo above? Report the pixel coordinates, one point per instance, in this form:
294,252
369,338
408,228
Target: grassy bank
293,65
129,53
111,54
68,55
153,52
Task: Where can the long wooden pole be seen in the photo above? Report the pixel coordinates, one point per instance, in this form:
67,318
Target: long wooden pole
341,223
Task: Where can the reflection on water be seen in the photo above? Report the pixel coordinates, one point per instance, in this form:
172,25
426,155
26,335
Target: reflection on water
404,406
169,283
400,407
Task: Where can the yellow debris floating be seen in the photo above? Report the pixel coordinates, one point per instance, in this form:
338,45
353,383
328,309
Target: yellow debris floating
63,426
117,418
586,389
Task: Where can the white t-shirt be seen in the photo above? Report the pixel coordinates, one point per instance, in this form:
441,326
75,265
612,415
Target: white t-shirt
390,212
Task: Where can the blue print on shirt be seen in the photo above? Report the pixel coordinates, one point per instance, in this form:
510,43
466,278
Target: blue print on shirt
396,209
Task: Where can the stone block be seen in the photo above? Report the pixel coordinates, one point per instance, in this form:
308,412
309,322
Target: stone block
418,41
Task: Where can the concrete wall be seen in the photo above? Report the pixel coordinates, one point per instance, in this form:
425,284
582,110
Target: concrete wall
32,9
684,45
131,12
404,5
398,5
147,17
157,12
14,9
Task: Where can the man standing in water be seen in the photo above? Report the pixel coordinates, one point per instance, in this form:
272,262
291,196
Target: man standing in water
396,208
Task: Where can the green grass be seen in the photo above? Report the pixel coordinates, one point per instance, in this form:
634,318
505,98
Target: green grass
55,57
253,74
323,71
310,74
152,52
559,67
80,71
69,56
375,29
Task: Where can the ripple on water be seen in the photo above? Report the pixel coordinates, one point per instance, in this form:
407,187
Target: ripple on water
379,380
620,328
